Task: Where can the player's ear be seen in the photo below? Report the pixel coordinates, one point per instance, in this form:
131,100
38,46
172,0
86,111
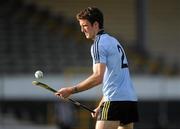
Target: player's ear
96,24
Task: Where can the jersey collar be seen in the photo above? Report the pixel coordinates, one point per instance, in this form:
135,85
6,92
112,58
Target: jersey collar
101,32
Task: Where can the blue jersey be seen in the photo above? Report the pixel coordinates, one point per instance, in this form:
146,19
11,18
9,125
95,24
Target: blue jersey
117,84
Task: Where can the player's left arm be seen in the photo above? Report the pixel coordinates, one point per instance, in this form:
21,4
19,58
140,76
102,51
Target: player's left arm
93,80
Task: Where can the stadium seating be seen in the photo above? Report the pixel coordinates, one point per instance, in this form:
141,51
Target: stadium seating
33,38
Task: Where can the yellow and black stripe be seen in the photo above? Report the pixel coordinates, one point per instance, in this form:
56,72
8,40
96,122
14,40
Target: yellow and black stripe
105,110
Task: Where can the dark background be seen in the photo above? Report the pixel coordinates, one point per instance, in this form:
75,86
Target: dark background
44,35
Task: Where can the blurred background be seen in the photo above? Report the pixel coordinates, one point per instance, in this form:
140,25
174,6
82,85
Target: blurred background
44,35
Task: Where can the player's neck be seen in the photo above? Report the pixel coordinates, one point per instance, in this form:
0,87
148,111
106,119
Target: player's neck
98,32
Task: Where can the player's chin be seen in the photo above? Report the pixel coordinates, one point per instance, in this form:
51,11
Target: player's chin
87,36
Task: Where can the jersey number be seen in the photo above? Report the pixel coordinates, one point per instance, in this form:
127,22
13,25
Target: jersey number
123,65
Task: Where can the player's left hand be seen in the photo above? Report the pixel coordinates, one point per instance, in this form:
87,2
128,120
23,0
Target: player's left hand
94,115
64,92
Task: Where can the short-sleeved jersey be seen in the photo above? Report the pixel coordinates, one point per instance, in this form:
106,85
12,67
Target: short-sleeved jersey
117,84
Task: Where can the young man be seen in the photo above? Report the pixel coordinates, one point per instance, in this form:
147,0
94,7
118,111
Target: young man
118,107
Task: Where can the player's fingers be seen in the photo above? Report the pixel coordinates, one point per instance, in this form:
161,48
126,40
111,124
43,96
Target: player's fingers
94,114
57,94
62,97
63,93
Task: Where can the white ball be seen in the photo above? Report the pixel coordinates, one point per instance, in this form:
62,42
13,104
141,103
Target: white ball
38,74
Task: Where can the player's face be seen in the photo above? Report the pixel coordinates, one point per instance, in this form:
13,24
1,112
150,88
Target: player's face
87,28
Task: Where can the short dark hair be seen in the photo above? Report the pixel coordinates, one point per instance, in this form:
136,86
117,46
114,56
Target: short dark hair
92,14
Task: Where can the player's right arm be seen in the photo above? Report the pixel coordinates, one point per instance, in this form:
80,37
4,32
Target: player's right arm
95,79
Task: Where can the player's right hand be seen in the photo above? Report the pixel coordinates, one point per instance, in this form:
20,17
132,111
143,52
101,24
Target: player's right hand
64,92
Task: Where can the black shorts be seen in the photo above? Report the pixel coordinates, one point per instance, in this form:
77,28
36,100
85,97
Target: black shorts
123,111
